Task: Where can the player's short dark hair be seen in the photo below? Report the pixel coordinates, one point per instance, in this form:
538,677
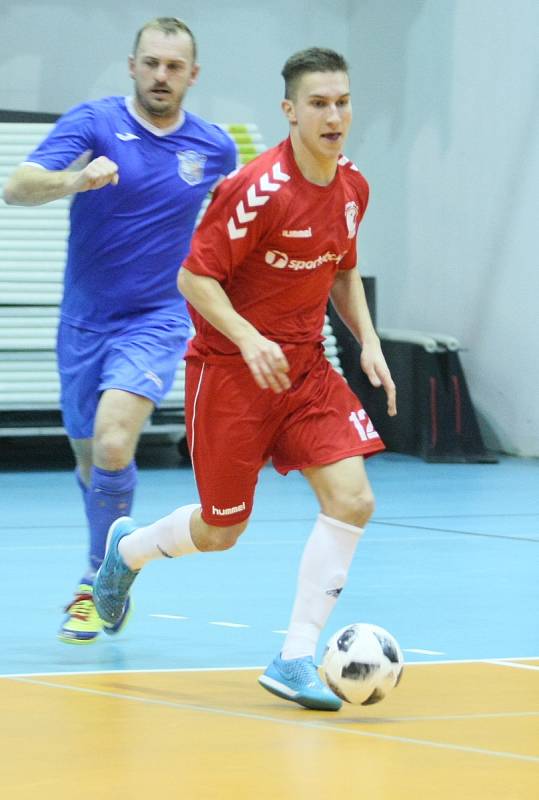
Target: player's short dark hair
314,59
169,26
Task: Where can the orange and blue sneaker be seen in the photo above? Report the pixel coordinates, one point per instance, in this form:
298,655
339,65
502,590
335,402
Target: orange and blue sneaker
297,679
82,624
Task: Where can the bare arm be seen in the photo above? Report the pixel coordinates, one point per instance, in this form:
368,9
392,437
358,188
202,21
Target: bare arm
33,186
348,297
264,358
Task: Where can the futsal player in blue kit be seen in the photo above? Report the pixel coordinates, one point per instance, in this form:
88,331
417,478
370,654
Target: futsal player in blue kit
123,327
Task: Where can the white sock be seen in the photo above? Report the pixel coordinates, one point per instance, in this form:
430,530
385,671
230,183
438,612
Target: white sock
167,538
322,574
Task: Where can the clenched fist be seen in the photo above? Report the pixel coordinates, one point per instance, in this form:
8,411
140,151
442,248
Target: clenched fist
98,173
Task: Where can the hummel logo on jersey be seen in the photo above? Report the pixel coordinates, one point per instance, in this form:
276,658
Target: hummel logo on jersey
257,195
127,137
305,234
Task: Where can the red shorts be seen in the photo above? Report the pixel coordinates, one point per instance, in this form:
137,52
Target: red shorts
233,427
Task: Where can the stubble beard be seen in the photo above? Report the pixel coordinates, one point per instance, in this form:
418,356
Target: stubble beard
159,109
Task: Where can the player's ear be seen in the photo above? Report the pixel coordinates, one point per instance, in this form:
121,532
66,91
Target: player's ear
289,110
131,63
194,74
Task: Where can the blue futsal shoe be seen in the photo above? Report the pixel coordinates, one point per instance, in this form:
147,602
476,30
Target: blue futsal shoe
297,679
112,630
114,579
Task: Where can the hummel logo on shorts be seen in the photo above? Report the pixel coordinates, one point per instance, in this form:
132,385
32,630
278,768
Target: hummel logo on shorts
224,512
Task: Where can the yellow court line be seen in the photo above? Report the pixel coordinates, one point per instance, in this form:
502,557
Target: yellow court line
280,721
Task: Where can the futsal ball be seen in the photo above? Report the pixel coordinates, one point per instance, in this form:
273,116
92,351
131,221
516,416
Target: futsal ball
362,663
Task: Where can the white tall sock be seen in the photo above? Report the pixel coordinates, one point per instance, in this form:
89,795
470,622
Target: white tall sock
167,538
322,574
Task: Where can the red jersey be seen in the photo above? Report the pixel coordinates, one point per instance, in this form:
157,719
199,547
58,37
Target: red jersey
274,242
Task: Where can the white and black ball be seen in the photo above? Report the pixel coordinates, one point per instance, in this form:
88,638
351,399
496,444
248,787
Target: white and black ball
362,663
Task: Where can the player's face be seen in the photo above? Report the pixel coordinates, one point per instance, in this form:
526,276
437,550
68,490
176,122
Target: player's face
162,70
320,113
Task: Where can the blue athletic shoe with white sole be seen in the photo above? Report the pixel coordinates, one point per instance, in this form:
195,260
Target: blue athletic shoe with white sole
112,630
297,679
114,579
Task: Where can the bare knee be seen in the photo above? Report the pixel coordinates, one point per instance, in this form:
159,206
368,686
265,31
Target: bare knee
209,538
119,420
113,447
355,508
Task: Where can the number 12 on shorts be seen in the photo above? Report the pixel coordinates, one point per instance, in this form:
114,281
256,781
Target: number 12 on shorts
363,425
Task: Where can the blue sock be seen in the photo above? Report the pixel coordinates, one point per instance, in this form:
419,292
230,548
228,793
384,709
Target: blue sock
83,488
89,575
110,496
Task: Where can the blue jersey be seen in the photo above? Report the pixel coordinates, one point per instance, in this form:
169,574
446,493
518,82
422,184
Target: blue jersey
127,242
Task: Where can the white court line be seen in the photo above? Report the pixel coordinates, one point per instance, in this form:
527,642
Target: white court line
262,667
442,662
295,723
503,663
230,624
416,650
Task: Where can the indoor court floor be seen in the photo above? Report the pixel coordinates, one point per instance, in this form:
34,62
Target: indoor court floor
171,708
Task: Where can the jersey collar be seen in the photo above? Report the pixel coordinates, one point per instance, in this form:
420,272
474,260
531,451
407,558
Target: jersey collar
130,105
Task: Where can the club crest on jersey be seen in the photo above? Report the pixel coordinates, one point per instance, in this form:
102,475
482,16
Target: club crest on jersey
191,166
351,211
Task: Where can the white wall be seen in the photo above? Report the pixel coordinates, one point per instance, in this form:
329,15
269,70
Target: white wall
446,101
447,118
55,54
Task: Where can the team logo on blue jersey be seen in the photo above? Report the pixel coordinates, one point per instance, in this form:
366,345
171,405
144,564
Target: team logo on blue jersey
191,166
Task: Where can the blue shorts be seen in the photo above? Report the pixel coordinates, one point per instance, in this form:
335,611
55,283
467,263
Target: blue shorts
142,358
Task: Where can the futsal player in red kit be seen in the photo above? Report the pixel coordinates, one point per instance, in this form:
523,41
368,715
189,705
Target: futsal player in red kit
278,239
